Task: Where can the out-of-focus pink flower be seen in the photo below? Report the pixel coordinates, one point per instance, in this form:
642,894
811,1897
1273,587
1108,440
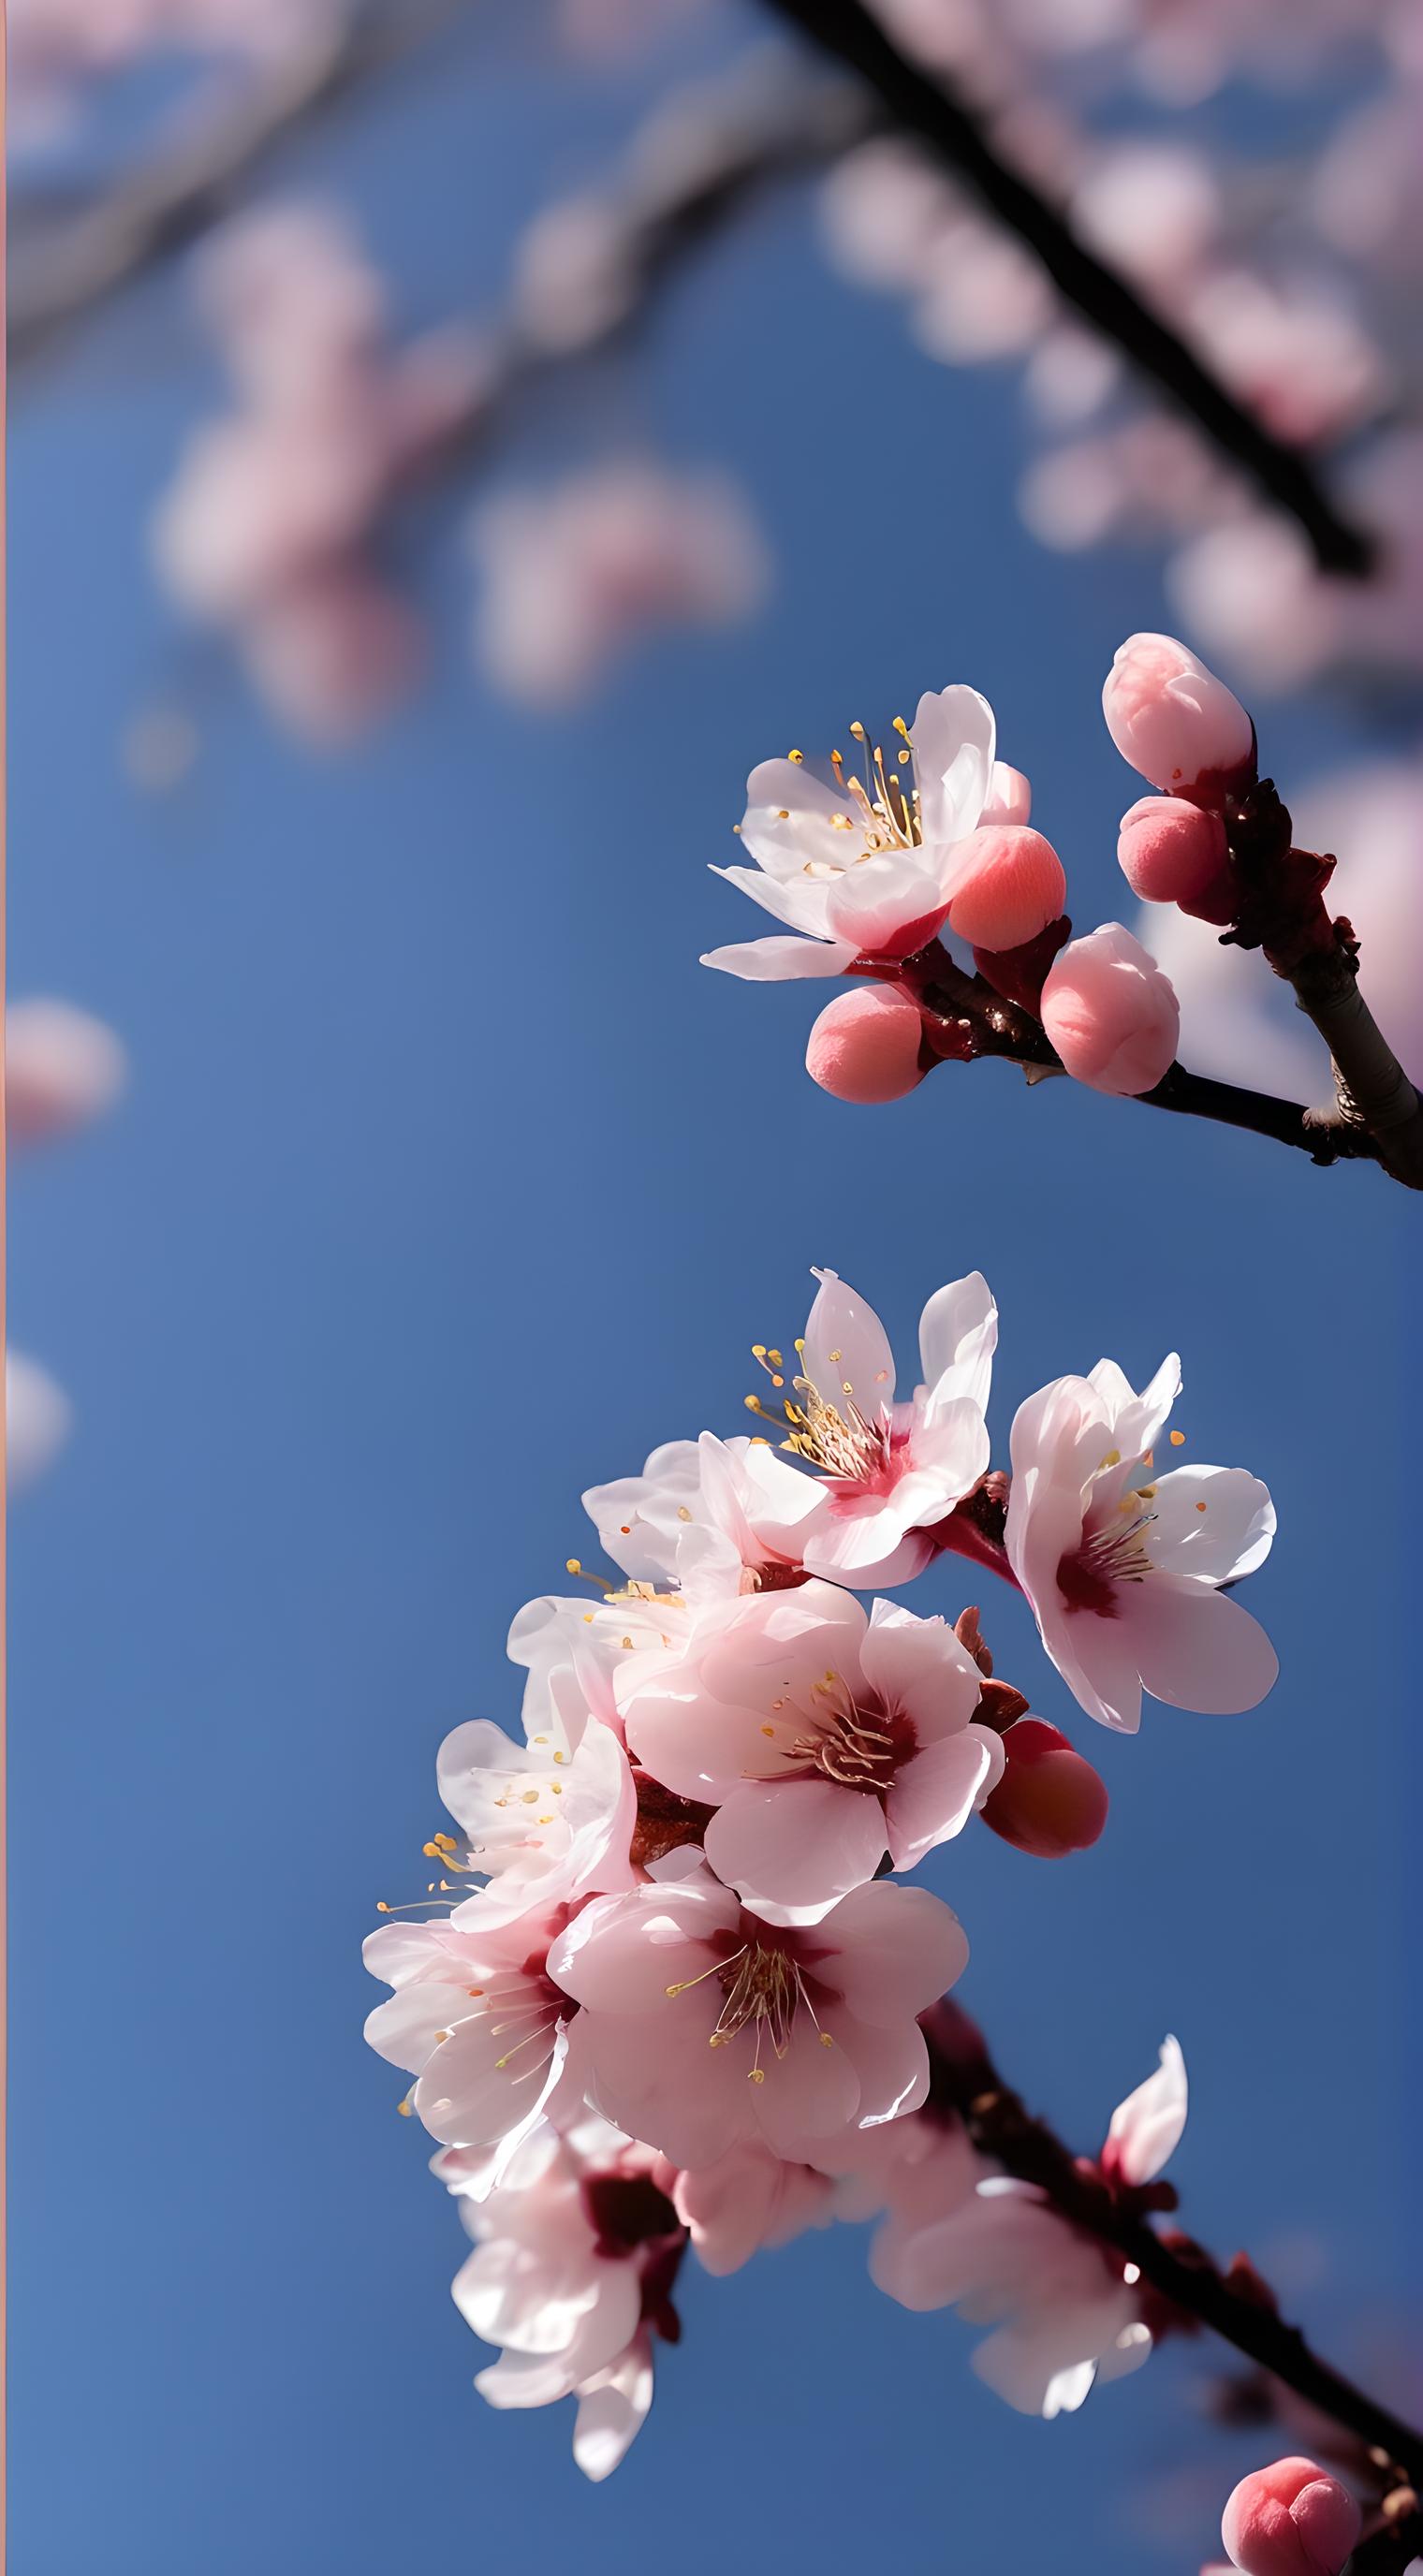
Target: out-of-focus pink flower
865,1045
864,864
1172,718
822,1737
62,1068
1291,2519
332,653
38,1415
890,1469
1152,208
1123,1567
1171,851
1009,883
571,577
703,2026
1110,1012
1050,1801
1062,2315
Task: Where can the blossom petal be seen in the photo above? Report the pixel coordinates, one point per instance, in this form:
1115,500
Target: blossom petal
958,1335
612,2410
781,961
846,1353
1215,1523
1146,2128
898,1948
934,1796
954,737
1195,1648
792,1848
919,1667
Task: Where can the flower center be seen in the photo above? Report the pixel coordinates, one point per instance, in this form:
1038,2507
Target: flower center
1087,1578
857,1748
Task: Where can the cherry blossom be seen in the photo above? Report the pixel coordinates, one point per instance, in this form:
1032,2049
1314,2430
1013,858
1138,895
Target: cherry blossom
1124,1567
704,2026
1111,1013
476,2018
865,864
1146,2129
867,1045
889,1470
822,1737
575,2253
549,1819
750,2199
703,1505
62,1068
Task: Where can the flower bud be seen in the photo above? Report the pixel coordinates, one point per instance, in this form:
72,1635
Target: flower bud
1174,720
1049,1800
1008,885
1010,796
1170,851
1111,1013
865,1045
1290,2520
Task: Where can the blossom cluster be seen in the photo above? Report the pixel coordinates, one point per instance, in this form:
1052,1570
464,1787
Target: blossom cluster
695,1995
870,867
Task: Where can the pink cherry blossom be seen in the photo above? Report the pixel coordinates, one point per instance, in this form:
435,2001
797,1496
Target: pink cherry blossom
822,1738
570,577
863,863
549,1820
703,1507
865,1045
62,1068
575,2252
1124,1567
747,2200
1111,1013
703,2026
1063,2316
890,1470
1291,2519
476,2018
1172,718
1146,2129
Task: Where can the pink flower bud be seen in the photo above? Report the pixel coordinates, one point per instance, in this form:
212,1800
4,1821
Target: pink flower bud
1110,1012
1170,851
865,1045
1174,720
1008,885
1290,2520
1049,1800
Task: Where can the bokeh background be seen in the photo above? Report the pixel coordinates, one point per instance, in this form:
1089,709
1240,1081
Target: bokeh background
444,1181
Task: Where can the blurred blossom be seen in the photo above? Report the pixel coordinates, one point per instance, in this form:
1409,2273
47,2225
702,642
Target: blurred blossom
573,277
37,1419
265,528
58,49
571,576
1241,1025
62,1068
1153,208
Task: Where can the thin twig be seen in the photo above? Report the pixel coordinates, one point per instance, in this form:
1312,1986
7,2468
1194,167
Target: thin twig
966,2080
74,263
925,107
996,1026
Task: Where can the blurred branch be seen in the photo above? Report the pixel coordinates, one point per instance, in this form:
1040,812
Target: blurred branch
73,263
926,108
1236,2304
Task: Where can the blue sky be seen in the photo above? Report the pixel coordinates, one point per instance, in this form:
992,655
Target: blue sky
449,1183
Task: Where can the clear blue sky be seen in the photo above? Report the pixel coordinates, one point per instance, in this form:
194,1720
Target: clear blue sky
448,1183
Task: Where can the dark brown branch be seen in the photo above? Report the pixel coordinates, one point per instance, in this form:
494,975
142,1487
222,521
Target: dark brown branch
1182,2273
925,108
996,1026
1390,2550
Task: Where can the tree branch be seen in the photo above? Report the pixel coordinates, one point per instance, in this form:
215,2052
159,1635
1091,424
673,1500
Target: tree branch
994,1025
74,262
1181,2272
925,108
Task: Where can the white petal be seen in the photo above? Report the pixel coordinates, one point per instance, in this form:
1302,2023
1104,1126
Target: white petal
782,961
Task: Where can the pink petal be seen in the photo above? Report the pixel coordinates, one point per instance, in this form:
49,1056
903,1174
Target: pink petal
1195,1648
794,1847
934,1795
897,1949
